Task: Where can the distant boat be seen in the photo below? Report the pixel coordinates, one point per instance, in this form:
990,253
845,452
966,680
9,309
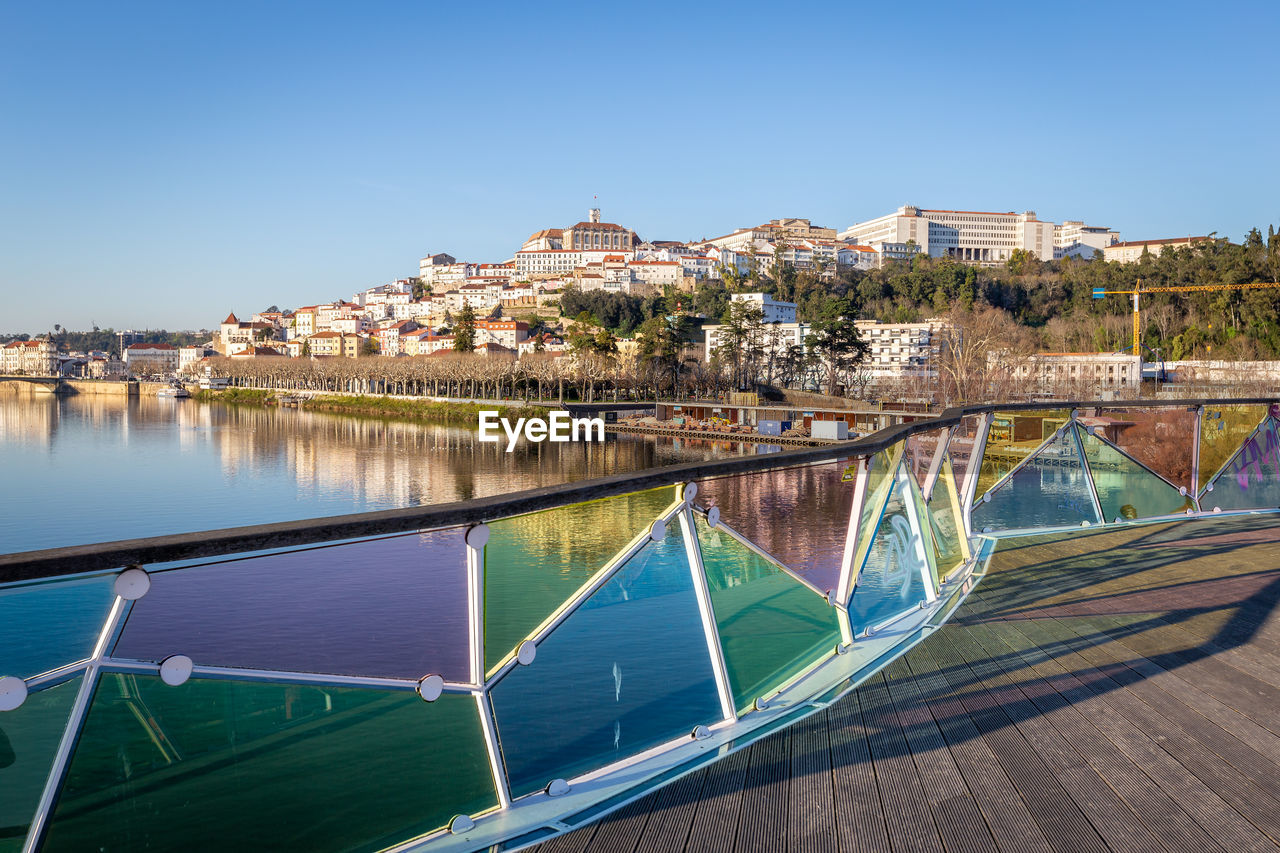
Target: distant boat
172,391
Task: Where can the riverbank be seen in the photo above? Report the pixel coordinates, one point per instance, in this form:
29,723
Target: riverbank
453,413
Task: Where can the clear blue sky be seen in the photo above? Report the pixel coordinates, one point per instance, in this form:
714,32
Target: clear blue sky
163,164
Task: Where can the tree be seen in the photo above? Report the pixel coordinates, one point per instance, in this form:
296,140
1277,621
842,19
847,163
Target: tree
369,346
661,345
464,332
836,341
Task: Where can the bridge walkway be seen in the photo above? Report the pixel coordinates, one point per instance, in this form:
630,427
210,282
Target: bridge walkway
1109,690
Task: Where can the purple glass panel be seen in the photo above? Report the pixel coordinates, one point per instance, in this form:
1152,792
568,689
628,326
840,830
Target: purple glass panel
388,608
799,515
920,451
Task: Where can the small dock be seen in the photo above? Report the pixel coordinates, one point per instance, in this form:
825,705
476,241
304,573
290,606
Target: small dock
1115,690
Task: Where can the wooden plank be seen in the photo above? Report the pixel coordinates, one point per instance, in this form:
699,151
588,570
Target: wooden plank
955,812
715,821
1064,825
812,807
860,824
762,824
1007,814
907,814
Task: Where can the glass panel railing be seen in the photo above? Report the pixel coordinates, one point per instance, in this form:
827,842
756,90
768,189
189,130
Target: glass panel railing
1161,439
1127,490
392,608
921,449
1251,478
800,515
918,515
533,564
771,626
1223,429
50,624
228,765
29,737
1050,488
962,446
627,670
947,522
1012,438
879,476
891,579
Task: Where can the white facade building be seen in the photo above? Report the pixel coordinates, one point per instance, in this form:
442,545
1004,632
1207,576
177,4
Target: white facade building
1131,252
901,350
773,310
971,236
29,358
1077,240
851,257
546,262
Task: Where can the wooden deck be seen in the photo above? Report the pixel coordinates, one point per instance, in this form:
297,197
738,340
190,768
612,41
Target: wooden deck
1104,691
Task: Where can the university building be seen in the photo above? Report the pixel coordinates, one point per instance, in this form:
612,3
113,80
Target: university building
971,236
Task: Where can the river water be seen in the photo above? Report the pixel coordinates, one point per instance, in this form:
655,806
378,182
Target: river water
81,469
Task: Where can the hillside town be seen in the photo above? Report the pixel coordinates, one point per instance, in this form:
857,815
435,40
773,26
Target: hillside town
728,293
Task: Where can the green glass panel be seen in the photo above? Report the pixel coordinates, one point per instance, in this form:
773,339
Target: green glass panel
960,447
920,451
879,484
1050,490
627,670
890,581
1251,480
1222,430
29,737
534,563
226,765
1126,490
946,523
771,626
1013,437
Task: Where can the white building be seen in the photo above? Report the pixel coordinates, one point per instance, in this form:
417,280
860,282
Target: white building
1077,240
1131,251
902,350
29,358
1050,370
428,266
657,274
546,262
850,257
151,358
971,236
778,335
189,356
773,310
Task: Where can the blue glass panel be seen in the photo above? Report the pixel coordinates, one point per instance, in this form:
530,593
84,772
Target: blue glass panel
1251,480
29,737
394,608
1050,490
891,579
627,670
47,625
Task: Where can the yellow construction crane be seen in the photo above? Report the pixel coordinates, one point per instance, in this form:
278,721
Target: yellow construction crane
1137,292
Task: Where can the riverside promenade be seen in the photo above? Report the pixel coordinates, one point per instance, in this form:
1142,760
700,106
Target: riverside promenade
1109,690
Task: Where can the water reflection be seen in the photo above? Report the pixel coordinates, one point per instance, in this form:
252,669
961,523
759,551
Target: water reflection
99,468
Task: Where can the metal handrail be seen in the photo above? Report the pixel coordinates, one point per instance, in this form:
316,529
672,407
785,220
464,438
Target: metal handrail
54,562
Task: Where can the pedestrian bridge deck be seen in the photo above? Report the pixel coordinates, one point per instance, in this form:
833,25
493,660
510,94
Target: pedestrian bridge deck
1110,690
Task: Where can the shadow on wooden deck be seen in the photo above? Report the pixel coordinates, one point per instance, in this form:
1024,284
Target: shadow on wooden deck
1108,690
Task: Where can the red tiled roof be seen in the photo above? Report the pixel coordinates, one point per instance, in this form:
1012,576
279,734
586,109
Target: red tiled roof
152,346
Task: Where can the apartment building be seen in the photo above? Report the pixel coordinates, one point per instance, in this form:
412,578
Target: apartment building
785,230
978,237
29,358
902,350
850,257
